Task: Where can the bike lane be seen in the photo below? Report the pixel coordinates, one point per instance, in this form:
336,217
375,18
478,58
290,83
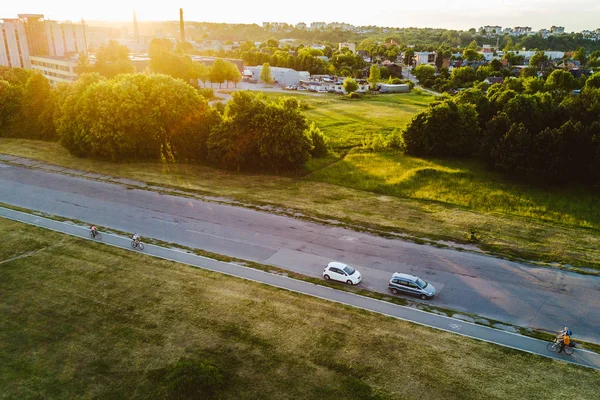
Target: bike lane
479,332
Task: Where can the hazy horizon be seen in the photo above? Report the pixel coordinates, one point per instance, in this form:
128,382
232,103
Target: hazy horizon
575,16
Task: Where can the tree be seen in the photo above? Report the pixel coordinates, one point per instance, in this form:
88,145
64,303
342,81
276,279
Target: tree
408,57
580,55
83,64
560,80
514,59
374,75
10,105
444,129
218,72
538,59
265,74
232,73
257,133
463,76
132,116
593,81
350,85
425,74
471,55
112,59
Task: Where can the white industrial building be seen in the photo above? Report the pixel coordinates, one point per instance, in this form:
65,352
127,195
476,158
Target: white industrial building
282,76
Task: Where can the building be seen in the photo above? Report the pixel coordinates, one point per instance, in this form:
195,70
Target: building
390,88
424,57
520,30
32,36
209,61
491,30
317,25
55,69
14,51
301,25
281,76
350,46
557,30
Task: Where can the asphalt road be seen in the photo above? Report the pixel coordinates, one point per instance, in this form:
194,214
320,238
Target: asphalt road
507,339
517,293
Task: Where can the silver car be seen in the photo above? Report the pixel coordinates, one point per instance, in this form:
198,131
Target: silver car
410,284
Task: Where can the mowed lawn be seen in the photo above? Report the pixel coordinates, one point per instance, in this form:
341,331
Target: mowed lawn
82,320
346,122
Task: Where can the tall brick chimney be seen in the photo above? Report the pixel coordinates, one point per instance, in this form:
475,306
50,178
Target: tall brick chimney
181,29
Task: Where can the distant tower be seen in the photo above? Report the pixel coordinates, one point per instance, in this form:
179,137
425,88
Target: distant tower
85,43
136,33
181,29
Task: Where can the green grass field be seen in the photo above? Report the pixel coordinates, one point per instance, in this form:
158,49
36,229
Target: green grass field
83,320
438,199
346,122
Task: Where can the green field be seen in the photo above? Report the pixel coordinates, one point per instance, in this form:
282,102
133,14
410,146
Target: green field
346,122
436,199
83,320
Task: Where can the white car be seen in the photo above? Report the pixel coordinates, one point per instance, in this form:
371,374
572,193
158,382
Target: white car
337,271
321,90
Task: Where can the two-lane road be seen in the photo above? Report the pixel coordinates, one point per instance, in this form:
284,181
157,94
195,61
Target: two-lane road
517,293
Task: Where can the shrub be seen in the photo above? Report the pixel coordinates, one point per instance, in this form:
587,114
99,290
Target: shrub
319,141
395,141
207,93
354,95
374,143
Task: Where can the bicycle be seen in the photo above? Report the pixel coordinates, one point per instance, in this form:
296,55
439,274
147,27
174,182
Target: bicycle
95,235
139,245
555,347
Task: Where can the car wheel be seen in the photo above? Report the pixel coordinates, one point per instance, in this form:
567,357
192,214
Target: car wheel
349,282
326,277
424,297
395,291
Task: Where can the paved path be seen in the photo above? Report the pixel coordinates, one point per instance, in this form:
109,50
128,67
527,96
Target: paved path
516,293
503,338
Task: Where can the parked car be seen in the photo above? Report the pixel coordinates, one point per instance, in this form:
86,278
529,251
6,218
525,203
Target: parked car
337,271
410,284
321,90
302,88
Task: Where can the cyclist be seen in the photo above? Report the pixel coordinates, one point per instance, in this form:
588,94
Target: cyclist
94,230
136,238
564,338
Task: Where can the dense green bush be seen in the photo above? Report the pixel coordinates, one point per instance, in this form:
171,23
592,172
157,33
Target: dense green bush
207,93
445,129
319,141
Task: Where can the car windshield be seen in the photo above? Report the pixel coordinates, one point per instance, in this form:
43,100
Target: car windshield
421,283
349,270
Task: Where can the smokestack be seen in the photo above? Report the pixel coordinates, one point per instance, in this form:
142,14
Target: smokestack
136,33
182,31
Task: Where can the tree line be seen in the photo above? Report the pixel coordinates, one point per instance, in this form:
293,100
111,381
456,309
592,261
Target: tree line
527,128
155,116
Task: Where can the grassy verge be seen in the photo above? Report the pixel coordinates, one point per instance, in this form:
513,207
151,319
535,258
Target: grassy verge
79,320
439,200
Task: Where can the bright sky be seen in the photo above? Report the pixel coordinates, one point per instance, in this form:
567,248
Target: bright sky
574,15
